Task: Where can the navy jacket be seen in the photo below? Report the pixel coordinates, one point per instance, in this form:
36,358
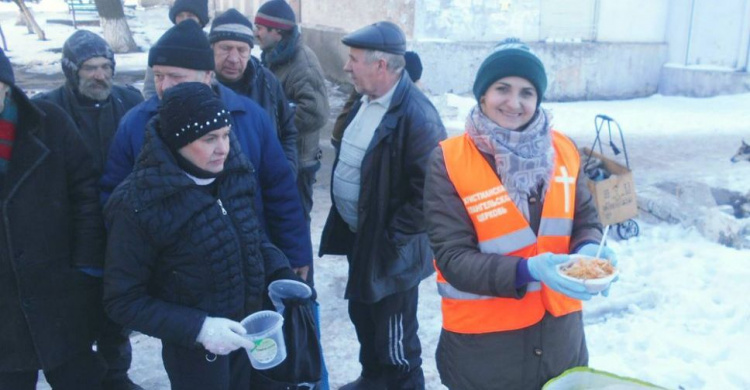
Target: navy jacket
178,253
278,205
99,137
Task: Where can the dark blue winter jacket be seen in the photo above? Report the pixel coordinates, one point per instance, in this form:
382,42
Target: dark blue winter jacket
178,252
279,203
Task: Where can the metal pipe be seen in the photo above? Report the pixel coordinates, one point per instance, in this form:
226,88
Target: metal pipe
690,31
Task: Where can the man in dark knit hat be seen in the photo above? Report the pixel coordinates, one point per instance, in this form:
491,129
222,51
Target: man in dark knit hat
231,39
96,106
376,215
53,232
299,71
183,54
181,10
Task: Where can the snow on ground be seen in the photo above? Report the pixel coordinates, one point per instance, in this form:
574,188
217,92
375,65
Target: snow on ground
678,316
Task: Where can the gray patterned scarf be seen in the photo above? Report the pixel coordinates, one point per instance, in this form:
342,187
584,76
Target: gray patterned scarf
523,159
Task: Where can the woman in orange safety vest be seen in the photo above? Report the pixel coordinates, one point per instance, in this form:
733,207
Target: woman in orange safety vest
505,203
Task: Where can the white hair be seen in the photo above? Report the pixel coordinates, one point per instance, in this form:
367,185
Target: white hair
394,63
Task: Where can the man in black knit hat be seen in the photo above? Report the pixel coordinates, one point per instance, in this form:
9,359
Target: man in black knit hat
53,232
96,106
231,39
181,10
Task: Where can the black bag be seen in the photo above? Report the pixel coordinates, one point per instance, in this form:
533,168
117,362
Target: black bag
302,367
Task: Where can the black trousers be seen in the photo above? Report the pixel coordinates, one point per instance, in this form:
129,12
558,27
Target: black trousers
83,372
196,369
389,346
305,182
113,345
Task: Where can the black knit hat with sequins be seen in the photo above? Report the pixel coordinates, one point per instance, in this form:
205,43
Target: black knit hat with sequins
190,111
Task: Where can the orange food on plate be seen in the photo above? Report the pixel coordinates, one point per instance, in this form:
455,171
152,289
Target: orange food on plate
589,269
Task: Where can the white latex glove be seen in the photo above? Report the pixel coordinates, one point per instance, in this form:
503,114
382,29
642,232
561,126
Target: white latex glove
222,336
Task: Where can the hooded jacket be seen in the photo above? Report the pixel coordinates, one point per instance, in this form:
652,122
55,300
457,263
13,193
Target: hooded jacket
299,71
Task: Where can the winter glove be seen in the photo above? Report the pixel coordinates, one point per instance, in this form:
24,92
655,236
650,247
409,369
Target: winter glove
607,253
221,336
289,274
544,269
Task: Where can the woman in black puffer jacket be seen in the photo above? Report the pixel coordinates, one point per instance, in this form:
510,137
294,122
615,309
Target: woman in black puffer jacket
187,257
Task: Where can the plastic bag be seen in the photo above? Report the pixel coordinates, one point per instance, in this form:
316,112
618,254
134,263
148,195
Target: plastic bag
584,378
302,367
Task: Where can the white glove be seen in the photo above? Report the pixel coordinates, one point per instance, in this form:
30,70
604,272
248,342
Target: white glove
222,336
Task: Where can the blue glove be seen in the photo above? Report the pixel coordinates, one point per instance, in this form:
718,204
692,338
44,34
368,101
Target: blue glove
607,253
544,269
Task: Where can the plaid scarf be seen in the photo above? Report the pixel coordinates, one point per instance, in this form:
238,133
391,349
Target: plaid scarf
524,159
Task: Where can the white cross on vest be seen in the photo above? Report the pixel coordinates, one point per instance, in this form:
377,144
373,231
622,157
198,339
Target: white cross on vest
565,180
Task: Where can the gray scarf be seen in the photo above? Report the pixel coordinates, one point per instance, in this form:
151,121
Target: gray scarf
523,159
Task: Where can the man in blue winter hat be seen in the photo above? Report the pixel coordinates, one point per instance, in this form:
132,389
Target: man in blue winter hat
96,106
376,214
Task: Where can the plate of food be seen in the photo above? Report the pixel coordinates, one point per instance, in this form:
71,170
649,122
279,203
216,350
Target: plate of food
595,274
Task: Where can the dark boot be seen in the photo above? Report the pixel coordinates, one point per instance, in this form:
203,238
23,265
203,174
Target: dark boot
120,384
363,383
114,347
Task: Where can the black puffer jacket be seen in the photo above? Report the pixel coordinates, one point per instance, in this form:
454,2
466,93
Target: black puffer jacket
176,253
51,224
390,251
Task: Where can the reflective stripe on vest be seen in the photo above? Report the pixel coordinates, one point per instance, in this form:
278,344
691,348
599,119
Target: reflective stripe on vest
501,228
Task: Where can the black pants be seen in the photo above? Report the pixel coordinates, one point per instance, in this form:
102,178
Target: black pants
389,345
114,347
190,369
305,182
83,372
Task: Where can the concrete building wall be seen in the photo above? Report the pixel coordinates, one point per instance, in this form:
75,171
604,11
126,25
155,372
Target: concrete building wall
352,14
632,20
576,71
701,34
452,20
601,49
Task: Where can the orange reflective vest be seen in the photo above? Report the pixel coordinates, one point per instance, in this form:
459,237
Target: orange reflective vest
501,228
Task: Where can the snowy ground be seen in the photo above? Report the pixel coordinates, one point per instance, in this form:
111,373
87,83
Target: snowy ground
676,317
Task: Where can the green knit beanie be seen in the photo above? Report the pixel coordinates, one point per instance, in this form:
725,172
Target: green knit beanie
511,58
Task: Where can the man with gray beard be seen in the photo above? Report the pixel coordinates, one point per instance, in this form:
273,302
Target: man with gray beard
96,106
89,95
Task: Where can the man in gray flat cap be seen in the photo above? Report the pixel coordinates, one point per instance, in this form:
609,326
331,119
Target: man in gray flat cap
376,218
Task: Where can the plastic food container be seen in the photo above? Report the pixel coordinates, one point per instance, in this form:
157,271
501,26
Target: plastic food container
285,288
264,329
592,284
